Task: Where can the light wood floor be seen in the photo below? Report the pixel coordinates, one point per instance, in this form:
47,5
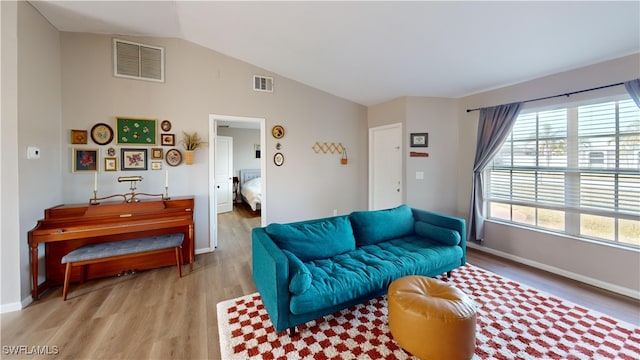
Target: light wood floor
155,315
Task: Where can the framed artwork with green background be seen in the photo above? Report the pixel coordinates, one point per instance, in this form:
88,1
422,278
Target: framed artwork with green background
132,131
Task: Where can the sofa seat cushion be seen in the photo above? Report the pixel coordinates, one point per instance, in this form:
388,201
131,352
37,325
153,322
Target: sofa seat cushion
314,239
370,269
372,227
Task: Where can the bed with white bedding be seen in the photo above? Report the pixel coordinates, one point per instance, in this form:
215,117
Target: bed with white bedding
251,188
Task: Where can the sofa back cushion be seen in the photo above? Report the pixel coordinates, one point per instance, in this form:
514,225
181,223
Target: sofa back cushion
372,227
437,233
314,239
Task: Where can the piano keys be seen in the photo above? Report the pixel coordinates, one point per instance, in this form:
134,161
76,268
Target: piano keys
67,227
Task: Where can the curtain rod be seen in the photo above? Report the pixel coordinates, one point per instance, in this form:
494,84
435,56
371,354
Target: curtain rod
565,94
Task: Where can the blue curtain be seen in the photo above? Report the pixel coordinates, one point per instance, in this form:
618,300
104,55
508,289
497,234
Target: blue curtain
493,128
633,88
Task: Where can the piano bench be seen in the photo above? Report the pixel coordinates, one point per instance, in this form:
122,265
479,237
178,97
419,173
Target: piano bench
116,250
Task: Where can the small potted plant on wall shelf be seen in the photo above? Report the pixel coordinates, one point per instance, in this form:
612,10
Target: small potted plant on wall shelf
190,142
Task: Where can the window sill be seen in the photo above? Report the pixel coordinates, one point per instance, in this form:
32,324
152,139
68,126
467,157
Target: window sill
565,236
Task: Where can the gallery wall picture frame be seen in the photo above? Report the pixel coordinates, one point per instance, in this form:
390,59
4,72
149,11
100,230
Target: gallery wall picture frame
278,159
133,159
85,160
78,136
110,164
156,165
132,131
165,125
277,131
156,153
419,140
173,157
101,134
167,140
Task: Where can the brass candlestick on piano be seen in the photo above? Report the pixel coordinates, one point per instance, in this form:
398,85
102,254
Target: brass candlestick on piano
94,201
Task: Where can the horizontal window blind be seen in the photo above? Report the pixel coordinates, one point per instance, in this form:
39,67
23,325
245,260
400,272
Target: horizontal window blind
583,160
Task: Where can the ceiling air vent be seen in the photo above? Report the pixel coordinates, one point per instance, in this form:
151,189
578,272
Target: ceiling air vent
138,61
262,83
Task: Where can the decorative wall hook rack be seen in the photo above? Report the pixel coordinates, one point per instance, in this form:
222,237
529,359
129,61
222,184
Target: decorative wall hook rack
328,148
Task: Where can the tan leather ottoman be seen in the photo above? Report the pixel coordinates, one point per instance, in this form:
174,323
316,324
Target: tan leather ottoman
432,319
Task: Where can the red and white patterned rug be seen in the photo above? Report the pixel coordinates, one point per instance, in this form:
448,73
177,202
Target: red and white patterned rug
514,322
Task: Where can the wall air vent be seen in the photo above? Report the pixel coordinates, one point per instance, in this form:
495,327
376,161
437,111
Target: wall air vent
138,61
262,83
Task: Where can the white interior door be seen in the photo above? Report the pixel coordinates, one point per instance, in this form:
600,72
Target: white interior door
224,173
385,167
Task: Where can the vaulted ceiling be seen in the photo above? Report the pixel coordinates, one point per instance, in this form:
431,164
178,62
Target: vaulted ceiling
371,52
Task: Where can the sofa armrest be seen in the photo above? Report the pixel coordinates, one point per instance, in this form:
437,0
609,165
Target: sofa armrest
445,221
271,276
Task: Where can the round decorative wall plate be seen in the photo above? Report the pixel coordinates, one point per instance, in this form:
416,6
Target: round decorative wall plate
277,131
165,125
278,159
173,157
101,134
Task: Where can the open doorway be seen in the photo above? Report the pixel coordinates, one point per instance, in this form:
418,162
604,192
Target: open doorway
218,182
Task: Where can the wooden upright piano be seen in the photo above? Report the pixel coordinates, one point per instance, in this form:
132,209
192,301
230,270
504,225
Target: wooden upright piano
67,227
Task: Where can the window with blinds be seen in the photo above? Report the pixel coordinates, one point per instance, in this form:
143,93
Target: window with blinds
572,170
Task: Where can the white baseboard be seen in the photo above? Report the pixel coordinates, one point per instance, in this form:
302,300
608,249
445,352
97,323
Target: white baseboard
204,250
552,269
11,307
16,306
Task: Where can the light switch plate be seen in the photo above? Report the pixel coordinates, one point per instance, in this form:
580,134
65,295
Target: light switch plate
419,175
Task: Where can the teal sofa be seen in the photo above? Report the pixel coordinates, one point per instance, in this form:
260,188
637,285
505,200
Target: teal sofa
309,269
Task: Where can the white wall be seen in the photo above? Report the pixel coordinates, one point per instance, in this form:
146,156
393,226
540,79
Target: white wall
387,113
10,292
614,268
38,100
200,82
244,141
29,186
438,118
